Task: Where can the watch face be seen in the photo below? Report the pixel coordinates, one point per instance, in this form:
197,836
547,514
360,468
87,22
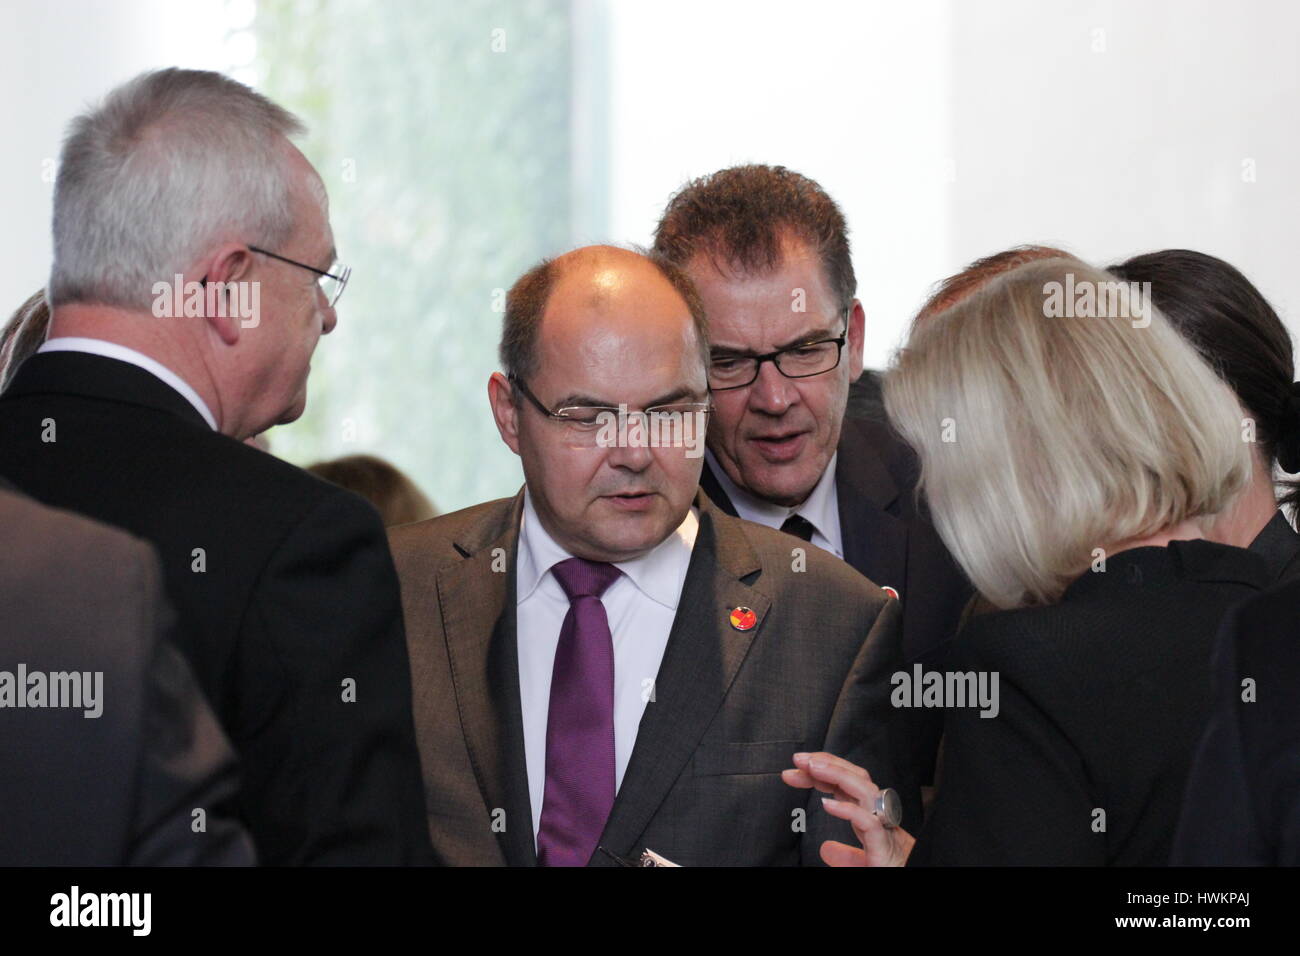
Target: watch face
893,807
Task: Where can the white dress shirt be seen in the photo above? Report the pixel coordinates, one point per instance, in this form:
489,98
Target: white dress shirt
641,605
821,508
73,343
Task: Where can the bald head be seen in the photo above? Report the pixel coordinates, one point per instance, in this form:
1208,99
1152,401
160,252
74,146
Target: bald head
593,281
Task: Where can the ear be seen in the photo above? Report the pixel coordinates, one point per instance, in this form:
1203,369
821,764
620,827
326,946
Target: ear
501,398
857,324
230,263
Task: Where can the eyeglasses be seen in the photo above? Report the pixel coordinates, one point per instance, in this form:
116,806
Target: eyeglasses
331,285
798,361
588,426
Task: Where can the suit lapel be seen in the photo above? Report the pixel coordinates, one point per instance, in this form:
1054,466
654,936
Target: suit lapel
875,541
713,488
703,654
478,612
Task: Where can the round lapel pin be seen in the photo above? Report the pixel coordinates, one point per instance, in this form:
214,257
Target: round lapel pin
890,591
742,618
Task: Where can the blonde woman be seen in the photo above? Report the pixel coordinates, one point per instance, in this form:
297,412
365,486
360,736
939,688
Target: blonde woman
1073,456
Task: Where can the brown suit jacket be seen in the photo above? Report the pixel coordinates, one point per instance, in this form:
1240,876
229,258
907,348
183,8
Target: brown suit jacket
731,707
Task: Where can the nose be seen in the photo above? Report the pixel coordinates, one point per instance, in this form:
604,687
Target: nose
771,393
634,456
329,319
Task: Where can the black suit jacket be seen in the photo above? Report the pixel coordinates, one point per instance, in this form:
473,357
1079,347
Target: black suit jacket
285,592
115,781
1279,546
730,708
1102,698
1243,800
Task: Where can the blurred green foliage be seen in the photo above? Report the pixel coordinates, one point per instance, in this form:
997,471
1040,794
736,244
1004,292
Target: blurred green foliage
442,132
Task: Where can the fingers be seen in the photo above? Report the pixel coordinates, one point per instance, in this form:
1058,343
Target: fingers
880,846
855,813
800,779
828,772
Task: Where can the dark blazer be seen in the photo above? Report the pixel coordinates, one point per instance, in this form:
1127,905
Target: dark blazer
1279,546
890,541
1243,800
731,707
285,591
1102,699
118,788
867,398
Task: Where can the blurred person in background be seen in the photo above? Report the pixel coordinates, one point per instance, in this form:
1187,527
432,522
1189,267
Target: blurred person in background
22,335
112,774
395,496
1242,806
1074,466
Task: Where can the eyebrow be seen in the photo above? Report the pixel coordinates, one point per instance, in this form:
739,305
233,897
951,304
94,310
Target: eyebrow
330,260
816,335
668,398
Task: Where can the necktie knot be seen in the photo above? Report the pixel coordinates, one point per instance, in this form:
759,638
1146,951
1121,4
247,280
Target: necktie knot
582,578
799,526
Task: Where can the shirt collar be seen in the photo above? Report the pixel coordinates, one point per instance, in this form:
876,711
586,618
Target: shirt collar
658,574
74,343
821,507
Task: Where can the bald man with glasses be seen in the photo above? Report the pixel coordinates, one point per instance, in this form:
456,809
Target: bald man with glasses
607,665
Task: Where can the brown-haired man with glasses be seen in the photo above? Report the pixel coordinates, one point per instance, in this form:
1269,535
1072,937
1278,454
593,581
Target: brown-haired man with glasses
768,250
607,664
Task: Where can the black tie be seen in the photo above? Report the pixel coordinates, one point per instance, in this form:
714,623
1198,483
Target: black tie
799,526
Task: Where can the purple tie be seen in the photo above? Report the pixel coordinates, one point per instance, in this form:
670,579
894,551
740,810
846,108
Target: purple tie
580,725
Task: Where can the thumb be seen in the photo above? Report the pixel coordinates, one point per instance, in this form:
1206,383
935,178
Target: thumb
834,853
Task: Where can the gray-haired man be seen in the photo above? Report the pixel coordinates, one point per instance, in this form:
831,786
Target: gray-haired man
194,271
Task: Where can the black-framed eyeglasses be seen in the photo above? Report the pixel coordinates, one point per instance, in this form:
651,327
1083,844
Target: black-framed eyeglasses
799,361
585,423
331,285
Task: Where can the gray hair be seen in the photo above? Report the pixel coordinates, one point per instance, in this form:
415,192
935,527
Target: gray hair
171,163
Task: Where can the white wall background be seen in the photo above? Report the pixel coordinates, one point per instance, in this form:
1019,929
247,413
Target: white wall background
58,56
949,129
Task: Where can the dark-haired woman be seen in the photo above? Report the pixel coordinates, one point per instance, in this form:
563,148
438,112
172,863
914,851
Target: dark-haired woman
1231,324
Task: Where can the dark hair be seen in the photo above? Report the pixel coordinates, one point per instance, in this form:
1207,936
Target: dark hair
1236,331
526,304
957,287
395,496
738,217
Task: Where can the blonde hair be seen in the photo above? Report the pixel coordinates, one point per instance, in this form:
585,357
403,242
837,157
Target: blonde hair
1043,437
